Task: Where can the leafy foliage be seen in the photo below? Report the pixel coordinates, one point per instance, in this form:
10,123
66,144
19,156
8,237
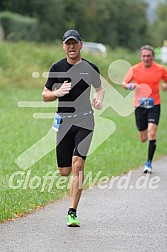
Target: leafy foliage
109,21
17,27
122,23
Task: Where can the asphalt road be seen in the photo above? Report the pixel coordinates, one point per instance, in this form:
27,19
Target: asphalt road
130,214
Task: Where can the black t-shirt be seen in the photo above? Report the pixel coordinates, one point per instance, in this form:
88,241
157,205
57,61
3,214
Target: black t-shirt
81,75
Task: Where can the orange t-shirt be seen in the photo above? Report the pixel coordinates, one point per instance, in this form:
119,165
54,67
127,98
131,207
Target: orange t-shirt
150,77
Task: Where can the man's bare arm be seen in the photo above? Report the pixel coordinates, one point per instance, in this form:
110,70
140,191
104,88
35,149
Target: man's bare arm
48,95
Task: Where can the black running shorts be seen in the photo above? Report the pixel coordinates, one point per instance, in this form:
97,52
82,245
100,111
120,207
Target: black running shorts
74,140
147,115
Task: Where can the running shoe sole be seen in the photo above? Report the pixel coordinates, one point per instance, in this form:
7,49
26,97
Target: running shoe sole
147,170
73,224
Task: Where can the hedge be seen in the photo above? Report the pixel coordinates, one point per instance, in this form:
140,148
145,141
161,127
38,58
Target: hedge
17,27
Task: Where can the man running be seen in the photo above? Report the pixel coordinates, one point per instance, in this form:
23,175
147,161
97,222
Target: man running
145,78
70,82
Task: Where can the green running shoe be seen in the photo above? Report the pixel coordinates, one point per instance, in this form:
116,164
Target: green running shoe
72,220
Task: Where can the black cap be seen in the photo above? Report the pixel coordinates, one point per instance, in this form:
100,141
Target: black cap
71,34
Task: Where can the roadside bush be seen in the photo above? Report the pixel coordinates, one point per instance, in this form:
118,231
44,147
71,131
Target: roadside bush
17,27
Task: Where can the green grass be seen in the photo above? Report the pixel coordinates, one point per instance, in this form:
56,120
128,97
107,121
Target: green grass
19,130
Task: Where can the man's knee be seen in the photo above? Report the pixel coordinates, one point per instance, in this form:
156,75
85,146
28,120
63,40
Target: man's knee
152,135
64,171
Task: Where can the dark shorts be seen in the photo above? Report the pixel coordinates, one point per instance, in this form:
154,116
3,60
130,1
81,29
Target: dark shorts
144,116
74,140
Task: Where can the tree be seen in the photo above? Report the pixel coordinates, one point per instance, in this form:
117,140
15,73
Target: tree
116,23
120,23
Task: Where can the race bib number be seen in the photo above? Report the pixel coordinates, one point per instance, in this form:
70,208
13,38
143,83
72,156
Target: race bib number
56,122
146,102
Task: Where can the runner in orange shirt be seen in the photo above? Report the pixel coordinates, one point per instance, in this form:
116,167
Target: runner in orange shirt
145,78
